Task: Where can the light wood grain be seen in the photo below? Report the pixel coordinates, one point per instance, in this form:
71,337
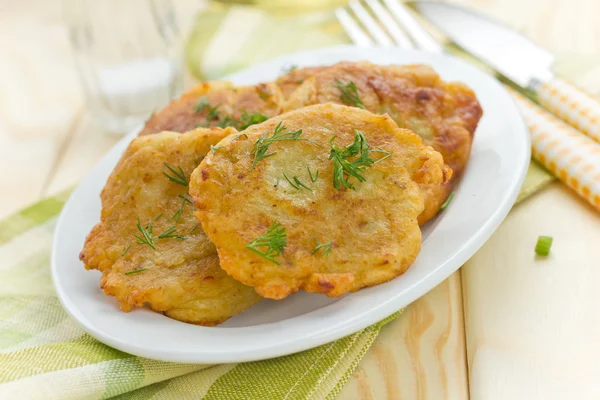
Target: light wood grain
533,323
420,355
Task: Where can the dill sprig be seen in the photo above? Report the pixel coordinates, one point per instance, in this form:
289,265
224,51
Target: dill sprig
159,217
146,237
178,176
313,180
289,69
136,271
325,246
213,149
279,134
343,168
126,250
296,183
227,121
213,113
380,150
274,240
349,94
179,211
201,104
169,233
194,228
247,119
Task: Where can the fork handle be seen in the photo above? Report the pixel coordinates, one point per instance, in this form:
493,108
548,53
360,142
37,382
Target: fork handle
573,157
572,105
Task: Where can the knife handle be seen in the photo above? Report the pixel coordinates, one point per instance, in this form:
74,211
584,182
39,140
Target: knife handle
571,156
572,105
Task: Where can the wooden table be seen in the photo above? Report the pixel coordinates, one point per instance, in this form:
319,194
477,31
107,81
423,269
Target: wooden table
507,326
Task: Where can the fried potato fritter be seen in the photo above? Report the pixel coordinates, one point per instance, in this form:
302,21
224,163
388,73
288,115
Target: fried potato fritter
336,240
217,104
178,273
444,114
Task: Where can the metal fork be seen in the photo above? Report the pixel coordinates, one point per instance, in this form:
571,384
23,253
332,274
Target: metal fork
553,141
387,32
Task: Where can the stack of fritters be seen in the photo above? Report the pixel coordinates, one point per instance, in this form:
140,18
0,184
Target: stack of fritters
324,197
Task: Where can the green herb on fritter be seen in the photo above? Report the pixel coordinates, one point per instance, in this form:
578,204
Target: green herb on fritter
146,237
126,250
271,243
177,175
247,120
261,146
169,233
201,104
215,148
349,94
344,167
136,271
316,176
325,246
296,183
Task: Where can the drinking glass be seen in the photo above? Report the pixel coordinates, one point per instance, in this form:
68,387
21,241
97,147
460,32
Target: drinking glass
128,57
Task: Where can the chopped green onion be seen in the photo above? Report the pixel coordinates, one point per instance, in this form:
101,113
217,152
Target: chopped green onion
447,202
542,248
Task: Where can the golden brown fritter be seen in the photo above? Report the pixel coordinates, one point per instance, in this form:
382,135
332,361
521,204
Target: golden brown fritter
180,278
290,81
372,231
444,114
217,104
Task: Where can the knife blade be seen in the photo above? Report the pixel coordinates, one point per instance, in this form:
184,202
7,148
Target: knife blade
517,58
502,48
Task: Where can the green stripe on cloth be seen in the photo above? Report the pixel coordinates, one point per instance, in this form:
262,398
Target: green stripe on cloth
45,355
31,216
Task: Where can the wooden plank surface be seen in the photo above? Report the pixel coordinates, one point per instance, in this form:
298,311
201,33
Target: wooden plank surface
532,323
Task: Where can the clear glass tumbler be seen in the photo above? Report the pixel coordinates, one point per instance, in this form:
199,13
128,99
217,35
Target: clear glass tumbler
128,56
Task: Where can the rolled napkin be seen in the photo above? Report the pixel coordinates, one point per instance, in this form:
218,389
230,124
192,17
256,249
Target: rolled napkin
565,151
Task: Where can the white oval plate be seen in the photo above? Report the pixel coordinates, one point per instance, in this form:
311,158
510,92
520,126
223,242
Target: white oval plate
499,160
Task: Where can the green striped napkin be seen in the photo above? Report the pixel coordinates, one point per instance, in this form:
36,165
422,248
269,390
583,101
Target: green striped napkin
45,355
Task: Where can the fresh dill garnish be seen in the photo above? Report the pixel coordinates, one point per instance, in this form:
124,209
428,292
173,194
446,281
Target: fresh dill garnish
227,121
185,198
169,233
349,94
380,150
159,216
179,211
197,160
215,148
289,69
126,250
261,146
325,246
135,271
146,232
240,135
447,202
194,228
263,94
274,240
313,180
343,168
201,104
295,182
213,113
178,176
247,119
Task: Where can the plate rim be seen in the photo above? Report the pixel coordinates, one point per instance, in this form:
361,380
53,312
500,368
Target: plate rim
378,313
